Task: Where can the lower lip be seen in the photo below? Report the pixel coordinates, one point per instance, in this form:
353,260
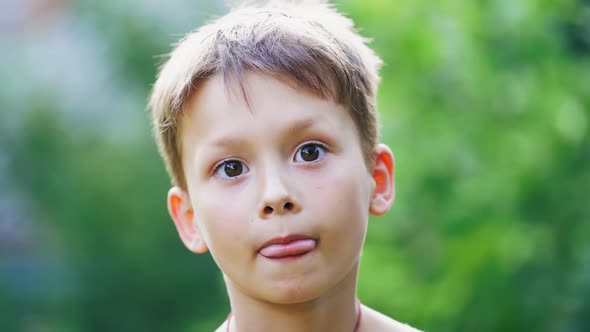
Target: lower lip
286,258
287,252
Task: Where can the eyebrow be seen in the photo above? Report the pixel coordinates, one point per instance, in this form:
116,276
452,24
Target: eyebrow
291,129
299,126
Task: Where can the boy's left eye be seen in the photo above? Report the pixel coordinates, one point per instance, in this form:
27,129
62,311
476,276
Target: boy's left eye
310,152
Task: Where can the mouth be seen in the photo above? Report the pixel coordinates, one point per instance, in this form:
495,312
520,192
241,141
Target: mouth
288,247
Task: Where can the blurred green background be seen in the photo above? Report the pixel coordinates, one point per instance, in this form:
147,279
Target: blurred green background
486,105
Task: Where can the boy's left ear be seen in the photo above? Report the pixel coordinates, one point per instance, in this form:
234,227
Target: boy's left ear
383,176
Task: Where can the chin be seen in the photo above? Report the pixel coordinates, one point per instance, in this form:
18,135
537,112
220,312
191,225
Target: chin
293,292
291,298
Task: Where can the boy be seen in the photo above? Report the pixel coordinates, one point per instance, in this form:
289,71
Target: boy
266,120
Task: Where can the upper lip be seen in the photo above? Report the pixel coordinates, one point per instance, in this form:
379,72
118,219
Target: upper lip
286,239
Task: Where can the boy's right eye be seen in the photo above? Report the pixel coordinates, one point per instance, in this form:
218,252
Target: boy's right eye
230,169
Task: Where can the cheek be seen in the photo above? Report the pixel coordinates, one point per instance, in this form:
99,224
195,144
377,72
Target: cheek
223,219
341,197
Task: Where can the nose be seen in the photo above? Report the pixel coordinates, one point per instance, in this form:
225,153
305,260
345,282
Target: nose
277,197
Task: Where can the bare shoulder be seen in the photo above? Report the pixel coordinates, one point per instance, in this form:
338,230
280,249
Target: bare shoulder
374,321
222,327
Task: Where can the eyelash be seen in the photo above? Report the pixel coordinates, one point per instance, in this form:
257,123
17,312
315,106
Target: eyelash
223,162
319,144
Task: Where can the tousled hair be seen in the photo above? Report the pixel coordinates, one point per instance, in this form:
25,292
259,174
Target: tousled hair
307,44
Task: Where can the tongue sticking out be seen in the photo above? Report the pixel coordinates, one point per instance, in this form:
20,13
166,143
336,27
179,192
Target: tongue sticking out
288,249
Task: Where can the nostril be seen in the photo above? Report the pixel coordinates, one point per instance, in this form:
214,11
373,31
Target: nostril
268,210
288,206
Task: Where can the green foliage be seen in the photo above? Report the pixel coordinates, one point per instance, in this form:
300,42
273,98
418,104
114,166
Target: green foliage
486,105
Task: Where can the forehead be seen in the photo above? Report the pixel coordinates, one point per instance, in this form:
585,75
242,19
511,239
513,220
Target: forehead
220,109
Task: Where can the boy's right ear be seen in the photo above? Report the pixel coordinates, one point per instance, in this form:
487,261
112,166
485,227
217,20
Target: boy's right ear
181,211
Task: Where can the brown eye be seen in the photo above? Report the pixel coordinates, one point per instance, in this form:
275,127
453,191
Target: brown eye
231,169
310,152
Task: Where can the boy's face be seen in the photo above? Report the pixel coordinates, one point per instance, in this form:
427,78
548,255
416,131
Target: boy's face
290,169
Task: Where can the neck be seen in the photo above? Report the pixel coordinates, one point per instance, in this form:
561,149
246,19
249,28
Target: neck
335,310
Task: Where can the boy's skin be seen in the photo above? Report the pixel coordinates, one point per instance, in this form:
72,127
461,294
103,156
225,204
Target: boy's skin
250,181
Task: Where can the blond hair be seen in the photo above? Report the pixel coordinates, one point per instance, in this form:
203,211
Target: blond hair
304,43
